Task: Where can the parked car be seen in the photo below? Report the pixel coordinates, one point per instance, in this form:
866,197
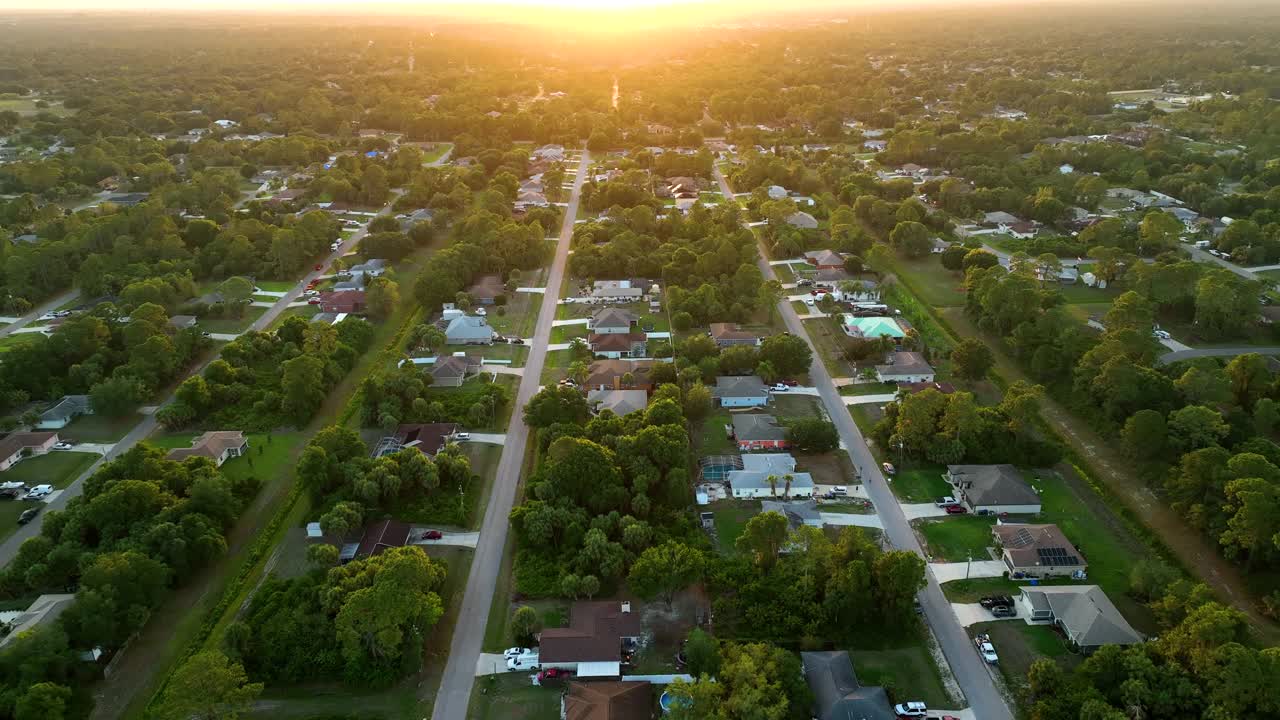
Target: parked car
915,708
790,383
1004,611
804,282
1161,334
991,601
462,436
28,515
809,301
526,661
779,387
945,501
310,293
39,491
514,652
481,312
839,490
957,510
63,446
515,341
319,267
553,676
888,468
986,649
432,535
314,301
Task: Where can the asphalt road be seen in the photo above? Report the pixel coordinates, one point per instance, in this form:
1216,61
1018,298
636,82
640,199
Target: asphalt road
968,668
1177,355
141,431
30,317
468,636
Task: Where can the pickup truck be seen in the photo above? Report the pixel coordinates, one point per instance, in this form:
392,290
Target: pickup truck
986,649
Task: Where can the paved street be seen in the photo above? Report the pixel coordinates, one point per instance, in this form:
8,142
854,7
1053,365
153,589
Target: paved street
1177,355
970,671
468,637
31,317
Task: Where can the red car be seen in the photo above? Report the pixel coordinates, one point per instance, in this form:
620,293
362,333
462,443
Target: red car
432,535
790,383
319,267
956,510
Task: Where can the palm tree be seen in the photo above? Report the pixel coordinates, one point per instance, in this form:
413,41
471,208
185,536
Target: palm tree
787,488
773,485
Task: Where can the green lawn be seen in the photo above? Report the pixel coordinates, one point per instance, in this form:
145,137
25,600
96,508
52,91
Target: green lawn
58,469
974,589
436,152
794,406
99,428
712,438
1019,645
510,696
919,484
871,388
731,518
956,539
1081,293
866,417
566,333
232,325
276,285
909,670
934,284
10,342
269,455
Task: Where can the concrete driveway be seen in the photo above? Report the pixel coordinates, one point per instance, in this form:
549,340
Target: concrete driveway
488,438
96,448
464,539
973,613
946,572
869,399
854,519
490,664
915,511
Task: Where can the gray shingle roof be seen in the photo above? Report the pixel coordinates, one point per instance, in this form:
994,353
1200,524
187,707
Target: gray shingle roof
739,386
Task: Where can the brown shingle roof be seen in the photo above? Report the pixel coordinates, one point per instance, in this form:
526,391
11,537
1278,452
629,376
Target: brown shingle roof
211,445
16,442
609,701
730,331
605,372
383,536
617,342
427,437
594,634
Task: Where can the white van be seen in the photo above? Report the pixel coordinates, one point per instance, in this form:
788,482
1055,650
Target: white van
524,661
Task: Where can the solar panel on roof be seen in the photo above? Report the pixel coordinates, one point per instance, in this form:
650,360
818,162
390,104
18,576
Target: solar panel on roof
1022,538
1056,556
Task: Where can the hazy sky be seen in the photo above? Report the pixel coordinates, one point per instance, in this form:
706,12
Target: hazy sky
429,6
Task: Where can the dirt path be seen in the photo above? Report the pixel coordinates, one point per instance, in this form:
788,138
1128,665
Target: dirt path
1190,546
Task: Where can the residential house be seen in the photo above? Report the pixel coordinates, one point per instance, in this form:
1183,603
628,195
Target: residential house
67,409
1000,217
594,642
611,374
462,329
739,391
453,370
372,268
379,537
621,402
797,513
487,289
1084,613
612,321
217,445
346,301
620,290
16,446
831,276
128,199
1038,551
825,259
43,611
769,475
618,345
993,489
776,192
426,438
552,153
759,432
1022,230
908,367
872,327
837,694
657,129
802,220
417,216
728,334
607,700
1186,215
875,145
182,322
